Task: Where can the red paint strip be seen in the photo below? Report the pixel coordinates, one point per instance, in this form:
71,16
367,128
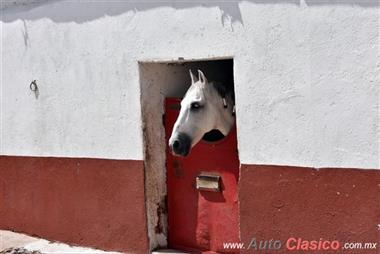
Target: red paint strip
90,202
278,202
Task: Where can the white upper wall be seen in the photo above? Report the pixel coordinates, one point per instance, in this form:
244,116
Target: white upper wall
306,76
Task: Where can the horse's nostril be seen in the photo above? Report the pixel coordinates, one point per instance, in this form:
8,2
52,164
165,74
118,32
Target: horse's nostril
180,145
176,144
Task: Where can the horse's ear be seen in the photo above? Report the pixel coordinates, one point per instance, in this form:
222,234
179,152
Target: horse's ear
202,77
193,78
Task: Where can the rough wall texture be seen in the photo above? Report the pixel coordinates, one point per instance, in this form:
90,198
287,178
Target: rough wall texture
279,202
306,75
306,81
89,202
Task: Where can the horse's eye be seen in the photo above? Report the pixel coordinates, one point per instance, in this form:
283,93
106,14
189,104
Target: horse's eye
195,106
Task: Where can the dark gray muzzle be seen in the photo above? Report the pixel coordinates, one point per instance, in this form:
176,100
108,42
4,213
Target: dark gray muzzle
181,144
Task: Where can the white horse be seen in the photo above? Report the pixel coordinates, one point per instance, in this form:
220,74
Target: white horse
206,106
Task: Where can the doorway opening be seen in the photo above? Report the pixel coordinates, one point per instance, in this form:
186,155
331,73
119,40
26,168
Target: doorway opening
159,80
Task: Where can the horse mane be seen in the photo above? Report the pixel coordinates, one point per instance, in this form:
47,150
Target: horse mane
224,89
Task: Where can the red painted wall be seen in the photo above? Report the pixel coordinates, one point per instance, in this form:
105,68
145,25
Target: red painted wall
89,202
279,202
100,203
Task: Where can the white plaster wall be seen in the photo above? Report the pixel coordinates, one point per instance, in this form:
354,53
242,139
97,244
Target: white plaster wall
306,76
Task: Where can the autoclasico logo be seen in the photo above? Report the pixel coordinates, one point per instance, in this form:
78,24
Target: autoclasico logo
294,244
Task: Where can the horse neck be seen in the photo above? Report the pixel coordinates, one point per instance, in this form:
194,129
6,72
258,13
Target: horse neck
226,119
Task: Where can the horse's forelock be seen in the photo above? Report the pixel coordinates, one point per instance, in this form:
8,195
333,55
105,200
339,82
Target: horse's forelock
222,89
198,87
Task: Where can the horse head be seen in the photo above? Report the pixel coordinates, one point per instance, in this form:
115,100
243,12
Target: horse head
206,106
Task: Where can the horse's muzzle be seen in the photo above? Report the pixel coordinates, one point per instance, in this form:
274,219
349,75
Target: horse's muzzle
180,144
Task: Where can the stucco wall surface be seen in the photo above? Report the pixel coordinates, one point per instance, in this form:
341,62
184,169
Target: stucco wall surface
87,202
306,76
328,204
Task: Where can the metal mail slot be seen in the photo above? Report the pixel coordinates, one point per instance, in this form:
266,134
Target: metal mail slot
208,182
